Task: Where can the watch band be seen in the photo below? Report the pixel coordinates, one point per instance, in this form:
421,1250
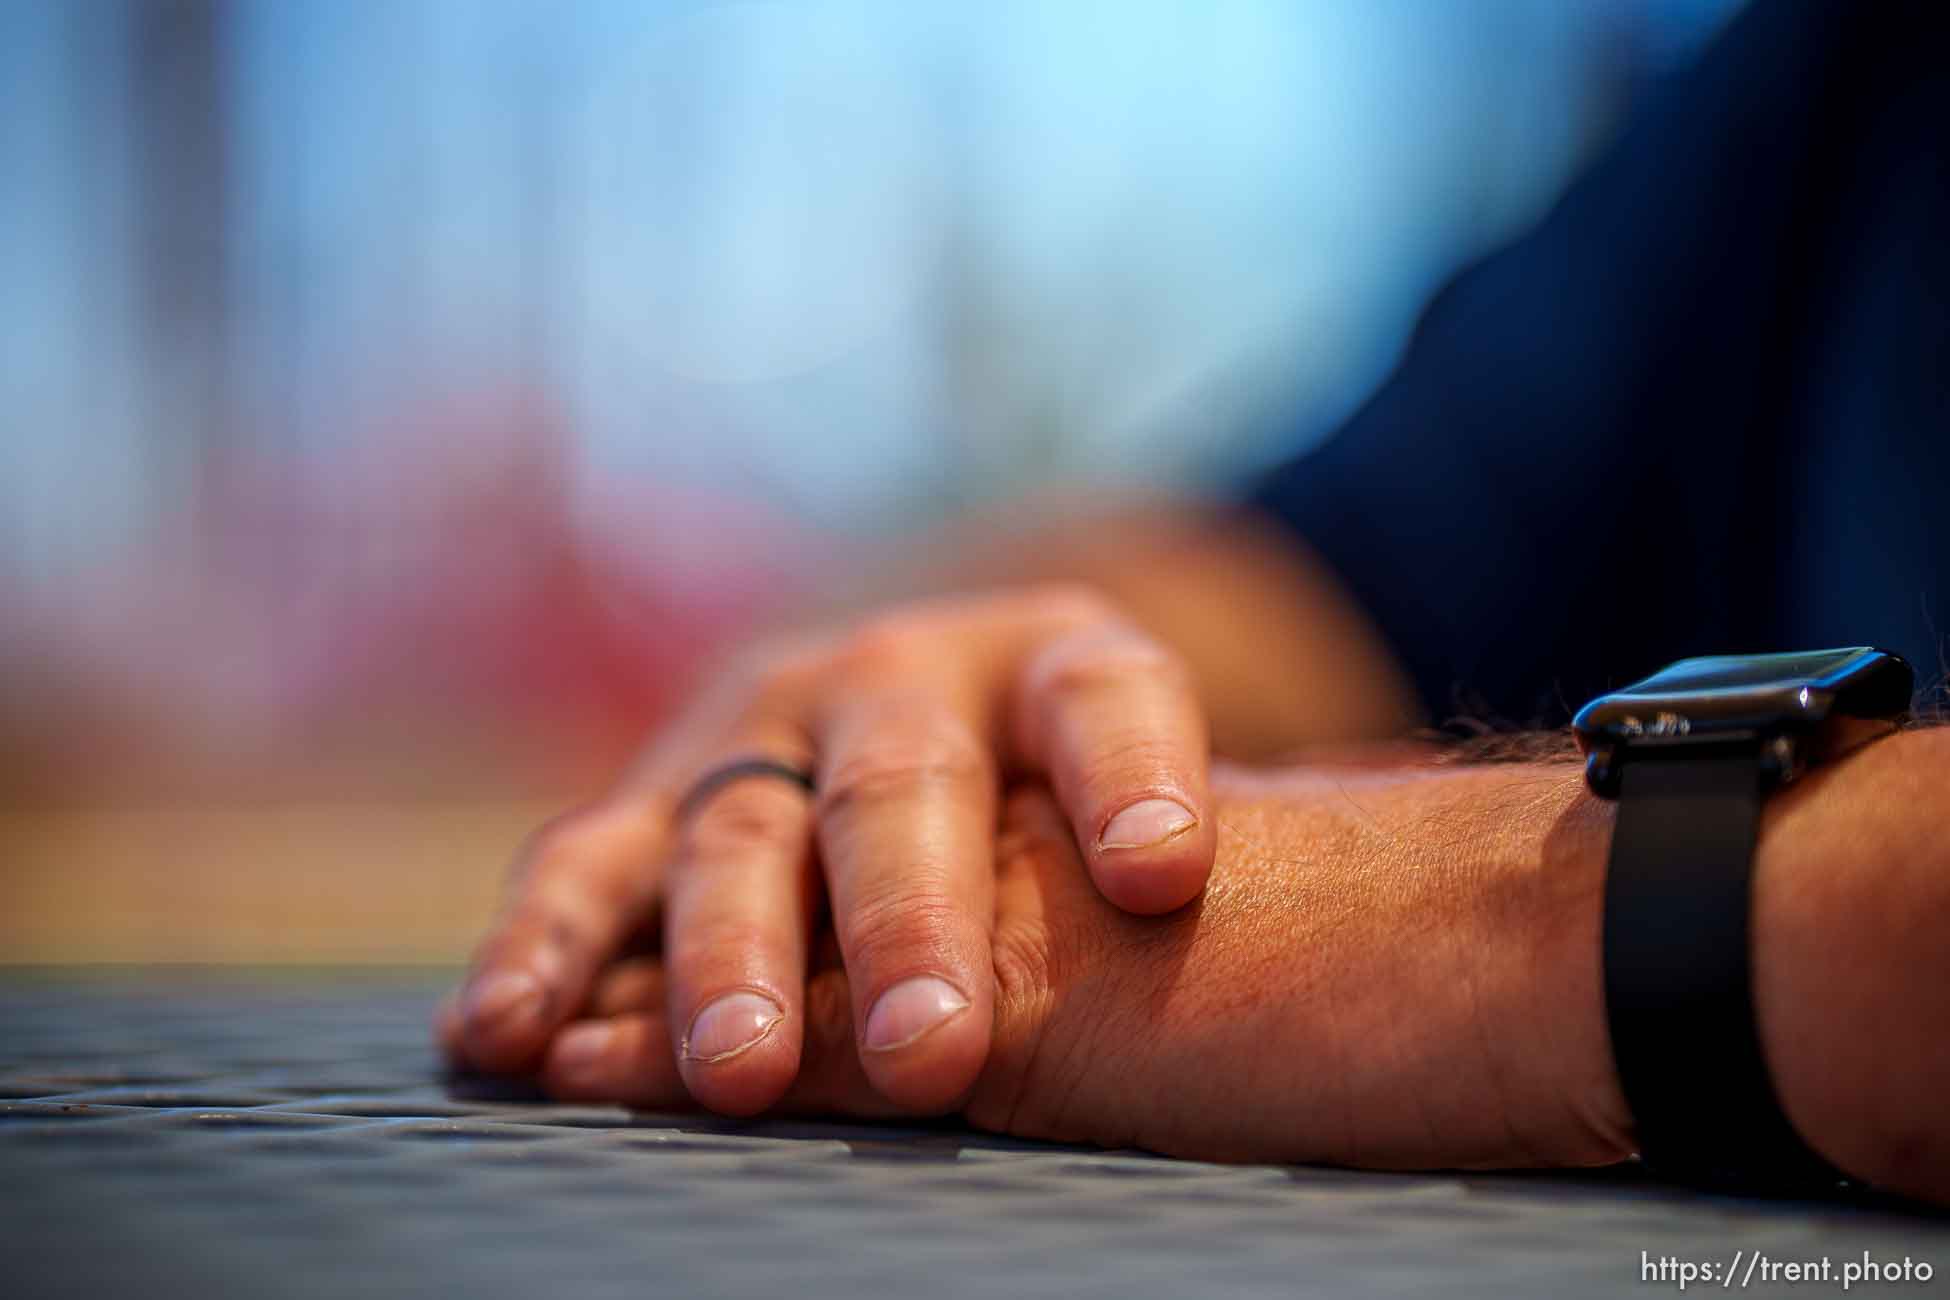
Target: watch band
1678,985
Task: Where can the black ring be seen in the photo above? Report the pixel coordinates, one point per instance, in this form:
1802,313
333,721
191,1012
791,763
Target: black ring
737,770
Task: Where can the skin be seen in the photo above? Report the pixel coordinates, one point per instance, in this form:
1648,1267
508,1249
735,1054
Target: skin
1395,964
913,719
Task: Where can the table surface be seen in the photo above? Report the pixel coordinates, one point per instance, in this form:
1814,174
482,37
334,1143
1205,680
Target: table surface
168,1132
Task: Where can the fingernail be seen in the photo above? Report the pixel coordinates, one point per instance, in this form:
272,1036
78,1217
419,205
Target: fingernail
730,1025
1145,824
581,1046
910,1009
506,997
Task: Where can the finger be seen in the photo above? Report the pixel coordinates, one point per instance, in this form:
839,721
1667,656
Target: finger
625,1057
582,885
1111,716
739,900
584,890
1051,931
633,984
620,1051
906,835
831,1079
1038,887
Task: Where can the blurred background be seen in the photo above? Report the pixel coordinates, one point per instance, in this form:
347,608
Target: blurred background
400,401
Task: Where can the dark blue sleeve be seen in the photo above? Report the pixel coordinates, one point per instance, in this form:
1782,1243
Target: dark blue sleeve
1578,470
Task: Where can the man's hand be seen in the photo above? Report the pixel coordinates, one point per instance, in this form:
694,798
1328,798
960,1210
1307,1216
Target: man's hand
1397,965
1389,967
912,722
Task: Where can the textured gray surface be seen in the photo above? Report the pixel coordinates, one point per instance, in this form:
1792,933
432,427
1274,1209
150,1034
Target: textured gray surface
289,1134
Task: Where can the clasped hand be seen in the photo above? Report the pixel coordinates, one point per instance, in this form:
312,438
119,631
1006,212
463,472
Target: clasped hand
1348,971
912,724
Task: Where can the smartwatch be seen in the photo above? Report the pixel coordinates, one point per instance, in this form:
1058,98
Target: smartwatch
1690,753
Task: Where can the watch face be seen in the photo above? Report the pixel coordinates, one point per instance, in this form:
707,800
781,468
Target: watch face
1734,697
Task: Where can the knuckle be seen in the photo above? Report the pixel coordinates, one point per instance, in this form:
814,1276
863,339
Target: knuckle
539,927
1024,977
1026,992
633,985
910,919
1089,666
947,760
569,864
697,949
565,840
888,644
747,819
1126,763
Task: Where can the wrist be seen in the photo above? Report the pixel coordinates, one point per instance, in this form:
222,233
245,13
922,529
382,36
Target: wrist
1851,984
1456,1013
1851,882
1561,1041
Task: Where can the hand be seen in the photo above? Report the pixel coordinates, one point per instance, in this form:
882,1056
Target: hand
1398,965
1391,966
911,721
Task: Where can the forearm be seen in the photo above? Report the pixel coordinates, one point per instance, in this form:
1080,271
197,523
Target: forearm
1433,991
1261,623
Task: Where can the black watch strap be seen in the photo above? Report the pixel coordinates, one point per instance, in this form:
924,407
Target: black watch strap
1678,988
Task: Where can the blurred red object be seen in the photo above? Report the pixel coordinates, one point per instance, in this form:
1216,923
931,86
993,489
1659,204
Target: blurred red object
454,607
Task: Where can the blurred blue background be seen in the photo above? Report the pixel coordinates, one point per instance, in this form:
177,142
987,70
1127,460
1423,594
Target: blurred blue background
481,360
